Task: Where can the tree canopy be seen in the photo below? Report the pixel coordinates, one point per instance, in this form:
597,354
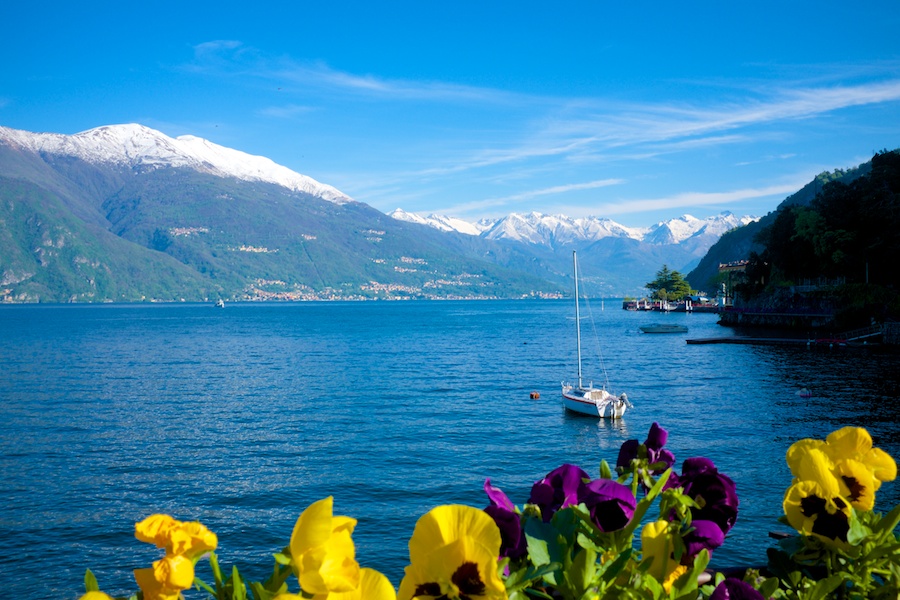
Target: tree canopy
849,231
669,285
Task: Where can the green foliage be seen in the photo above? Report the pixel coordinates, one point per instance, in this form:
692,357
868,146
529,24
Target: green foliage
669,285
848,231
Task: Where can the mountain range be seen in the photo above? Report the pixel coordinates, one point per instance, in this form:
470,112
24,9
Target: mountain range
126,213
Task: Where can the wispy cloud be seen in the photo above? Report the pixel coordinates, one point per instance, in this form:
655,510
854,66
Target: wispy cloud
288,111
688,200
513,199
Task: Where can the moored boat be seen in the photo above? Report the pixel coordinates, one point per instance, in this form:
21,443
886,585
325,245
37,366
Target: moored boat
590,400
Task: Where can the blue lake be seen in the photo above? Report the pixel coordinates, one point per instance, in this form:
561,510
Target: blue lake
242,417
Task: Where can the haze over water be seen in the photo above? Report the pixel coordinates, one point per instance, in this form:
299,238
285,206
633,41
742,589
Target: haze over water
242,417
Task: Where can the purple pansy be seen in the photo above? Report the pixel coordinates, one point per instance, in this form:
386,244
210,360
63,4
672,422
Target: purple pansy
713,491
654,443
735,589
563,486
503,511
610,503
705,535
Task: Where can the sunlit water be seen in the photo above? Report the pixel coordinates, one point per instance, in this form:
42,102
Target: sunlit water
242,417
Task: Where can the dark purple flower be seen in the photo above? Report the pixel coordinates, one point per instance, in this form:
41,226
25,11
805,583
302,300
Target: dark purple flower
610,503
654,443
503,511
563,486
735,589
713,491
706,535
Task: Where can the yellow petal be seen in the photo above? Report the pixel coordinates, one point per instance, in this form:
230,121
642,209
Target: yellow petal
857,484
445,524
331,567
174,572
313,528
881,464
155,529
96,596
153,589
849,442
449,568
657,544
809,461
372,586
191,539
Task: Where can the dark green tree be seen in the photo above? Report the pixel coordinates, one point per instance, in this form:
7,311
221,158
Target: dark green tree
669,285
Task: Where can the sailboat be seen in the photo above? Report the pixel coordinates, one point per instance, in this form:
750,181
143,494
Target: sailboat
590,400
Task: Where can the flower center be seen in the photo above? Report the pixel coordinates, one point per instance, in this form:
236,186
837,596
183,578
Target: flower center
466,584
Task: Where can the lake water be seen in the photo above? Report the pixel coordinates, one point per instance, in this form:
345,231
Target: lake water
242,417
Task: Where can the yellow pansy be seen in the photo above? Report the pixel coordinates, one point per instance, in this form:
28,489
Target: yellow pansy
322,550
96,596
167,578
155,530
810,460
191,539
855,443
453,555
657,545
812,511
372,586
857,483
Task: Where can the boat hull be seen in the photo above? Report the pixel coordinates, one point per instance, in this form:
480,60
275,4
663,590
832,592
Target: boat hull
596,403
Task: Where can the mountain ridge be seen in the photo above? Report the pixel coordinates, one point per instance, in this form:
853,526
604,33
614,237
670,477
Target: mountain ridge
126,213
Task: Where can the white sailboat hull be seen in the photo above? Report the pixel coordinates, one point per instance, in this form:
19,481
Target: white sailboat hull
594,402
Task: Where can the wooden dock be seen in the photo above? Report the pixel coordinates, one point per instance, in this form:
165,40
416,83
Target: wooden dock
753,340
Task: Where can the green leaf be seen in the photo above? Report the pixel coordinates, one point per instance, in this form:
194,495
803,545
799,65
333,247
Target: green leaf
239,592
768,587
886,525
90,582
202,585
605,471
282,559
580,574
825,587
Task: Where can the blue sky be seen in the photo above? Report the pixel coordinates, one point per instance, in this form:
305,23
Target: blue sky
634,111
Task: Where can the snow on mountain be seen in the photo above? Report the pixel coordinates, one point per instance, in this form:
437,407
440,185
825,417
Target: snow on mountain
135,145
442,223
559,230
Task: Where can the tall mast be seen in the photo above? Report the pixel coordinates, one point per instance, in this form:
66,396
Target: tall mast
577,317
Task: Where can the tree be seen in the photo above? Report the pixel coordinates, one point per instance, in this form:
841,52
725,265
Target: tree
669,285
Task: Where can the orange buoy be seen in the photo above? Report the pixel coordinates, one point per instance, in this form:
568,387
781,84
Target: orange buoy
535,395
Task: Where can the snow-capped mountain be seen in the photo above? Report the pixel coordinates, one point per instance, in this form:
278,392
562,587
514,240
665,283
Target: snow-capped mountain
134,145
556,231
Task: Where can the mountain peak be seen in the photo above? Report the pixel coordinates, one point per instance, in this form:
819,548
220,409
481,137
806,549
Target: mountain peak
134,145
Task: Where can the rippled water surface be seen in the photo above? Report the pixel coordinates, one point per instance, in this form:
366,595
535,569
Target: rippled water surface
242,417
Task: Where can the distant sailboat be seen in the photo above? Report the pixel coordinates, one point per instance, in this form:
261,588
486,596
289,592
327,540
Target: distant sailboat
589,400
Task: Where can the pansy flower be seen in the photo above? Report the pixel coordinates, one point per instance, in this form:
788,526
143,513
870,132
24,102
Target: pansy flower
735,589
503,511
563,486
372,586
714,492
658,546
167,578
322,550
453,556
610,503
811,510
704,535
653,447
859,467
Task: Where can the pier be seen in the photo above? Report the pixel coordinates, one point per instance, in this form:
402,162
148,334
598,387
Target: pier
855,337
